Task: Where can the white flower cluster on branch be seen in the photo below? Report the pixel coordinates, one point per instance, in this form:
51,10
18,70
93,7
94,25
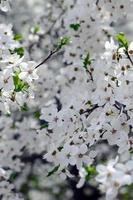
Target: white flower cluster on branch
96,107
62,114
113,176
16,74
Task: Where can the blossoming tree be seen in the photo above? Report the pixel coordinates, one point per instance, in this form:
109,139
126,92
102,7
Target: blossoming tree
66,99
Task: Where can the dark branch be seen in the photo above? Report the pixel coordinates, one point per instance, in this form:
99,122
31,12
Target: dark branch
128,56
48,57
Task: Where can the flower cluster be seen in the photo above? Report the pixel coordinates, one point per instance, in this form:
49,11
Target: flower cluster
113,176
82,113
99,110
17,74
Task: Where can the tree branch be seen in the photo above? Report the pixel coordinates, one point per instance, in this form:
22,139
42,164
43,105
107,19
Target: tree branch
48,57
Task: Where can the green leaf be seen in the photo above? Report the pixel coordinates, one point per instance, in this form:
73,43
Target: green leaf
18,37
34,180
45,125
19,84
36,114
75,27
36,29
24,108
53,170
127,193
91,171
13,176
24,189
63,41
19,51
86,60
122,40
131,150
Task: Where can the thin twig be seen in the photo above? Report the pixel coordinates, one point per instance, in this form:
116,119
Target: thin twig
128,56
91,77
48,57
41,37
89,111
